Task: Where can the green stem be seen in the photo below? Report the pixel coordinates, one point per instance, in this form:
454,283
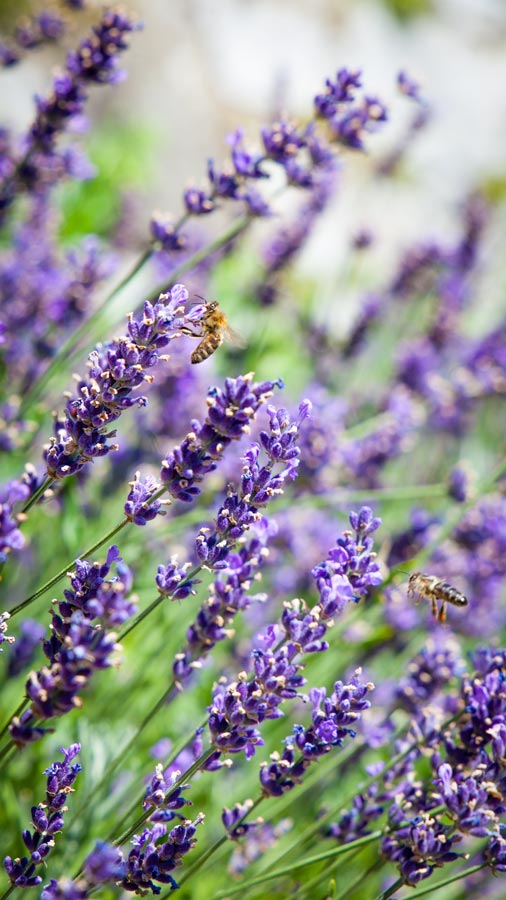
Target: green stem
360,880
300,864
38,493
392,889
67,348
233,231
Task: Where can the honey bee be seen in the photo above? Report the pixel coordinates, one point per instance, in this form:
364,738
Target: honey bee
214,329
435,590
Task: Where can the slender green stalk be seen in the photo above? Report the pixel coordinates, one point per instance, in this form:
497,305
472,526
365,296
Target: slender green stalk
38,493
299,864
392,889
358,881
8,892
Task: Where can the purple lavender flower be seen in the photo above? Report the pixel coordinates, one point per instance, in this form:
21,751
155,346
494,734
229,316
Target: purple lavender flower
466,801
331,720
351,567
229,414
115,371
104,864
47,821
419,847
77,646
238,708
43,295
299,151
408,86
157,853
238,566
140,508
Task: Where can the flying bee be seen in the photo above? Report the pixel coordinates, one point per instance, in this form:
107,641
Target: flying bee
214,329
435,590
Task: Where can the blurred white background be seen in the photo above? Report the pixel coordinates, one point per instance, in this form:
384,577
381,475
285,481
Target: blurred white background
201,68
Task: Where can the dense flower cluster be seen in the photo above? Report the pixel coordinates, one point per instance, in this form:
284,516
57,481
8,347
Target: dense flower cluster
47,821
115,371
78,645
239,707
466,755
238,566
230,412
332,717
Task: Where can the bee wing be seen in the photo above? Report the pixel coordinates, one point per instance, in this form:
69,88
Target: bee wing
232,337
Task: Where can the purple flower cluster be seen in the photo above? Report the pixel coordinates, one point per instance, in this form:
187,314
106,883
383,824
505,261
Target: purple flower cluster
466,782
115,371
332,718
230,412
241,511
238,708
302,152
78,645
140,507
228,595
351,567
156,854
47,821
94,62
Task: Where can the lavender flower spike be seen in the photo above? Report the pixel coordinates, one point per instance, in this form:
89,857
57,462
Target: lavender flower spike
333,719
47,820
229,414
116,370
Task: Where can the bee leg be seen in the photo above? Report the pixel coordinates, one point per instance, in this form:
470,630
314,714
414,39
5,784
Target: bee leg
434,608
189,332
442,613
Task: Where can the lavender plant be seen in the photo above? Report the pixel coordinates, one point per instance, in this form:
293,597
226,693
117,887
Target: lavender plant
209,579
